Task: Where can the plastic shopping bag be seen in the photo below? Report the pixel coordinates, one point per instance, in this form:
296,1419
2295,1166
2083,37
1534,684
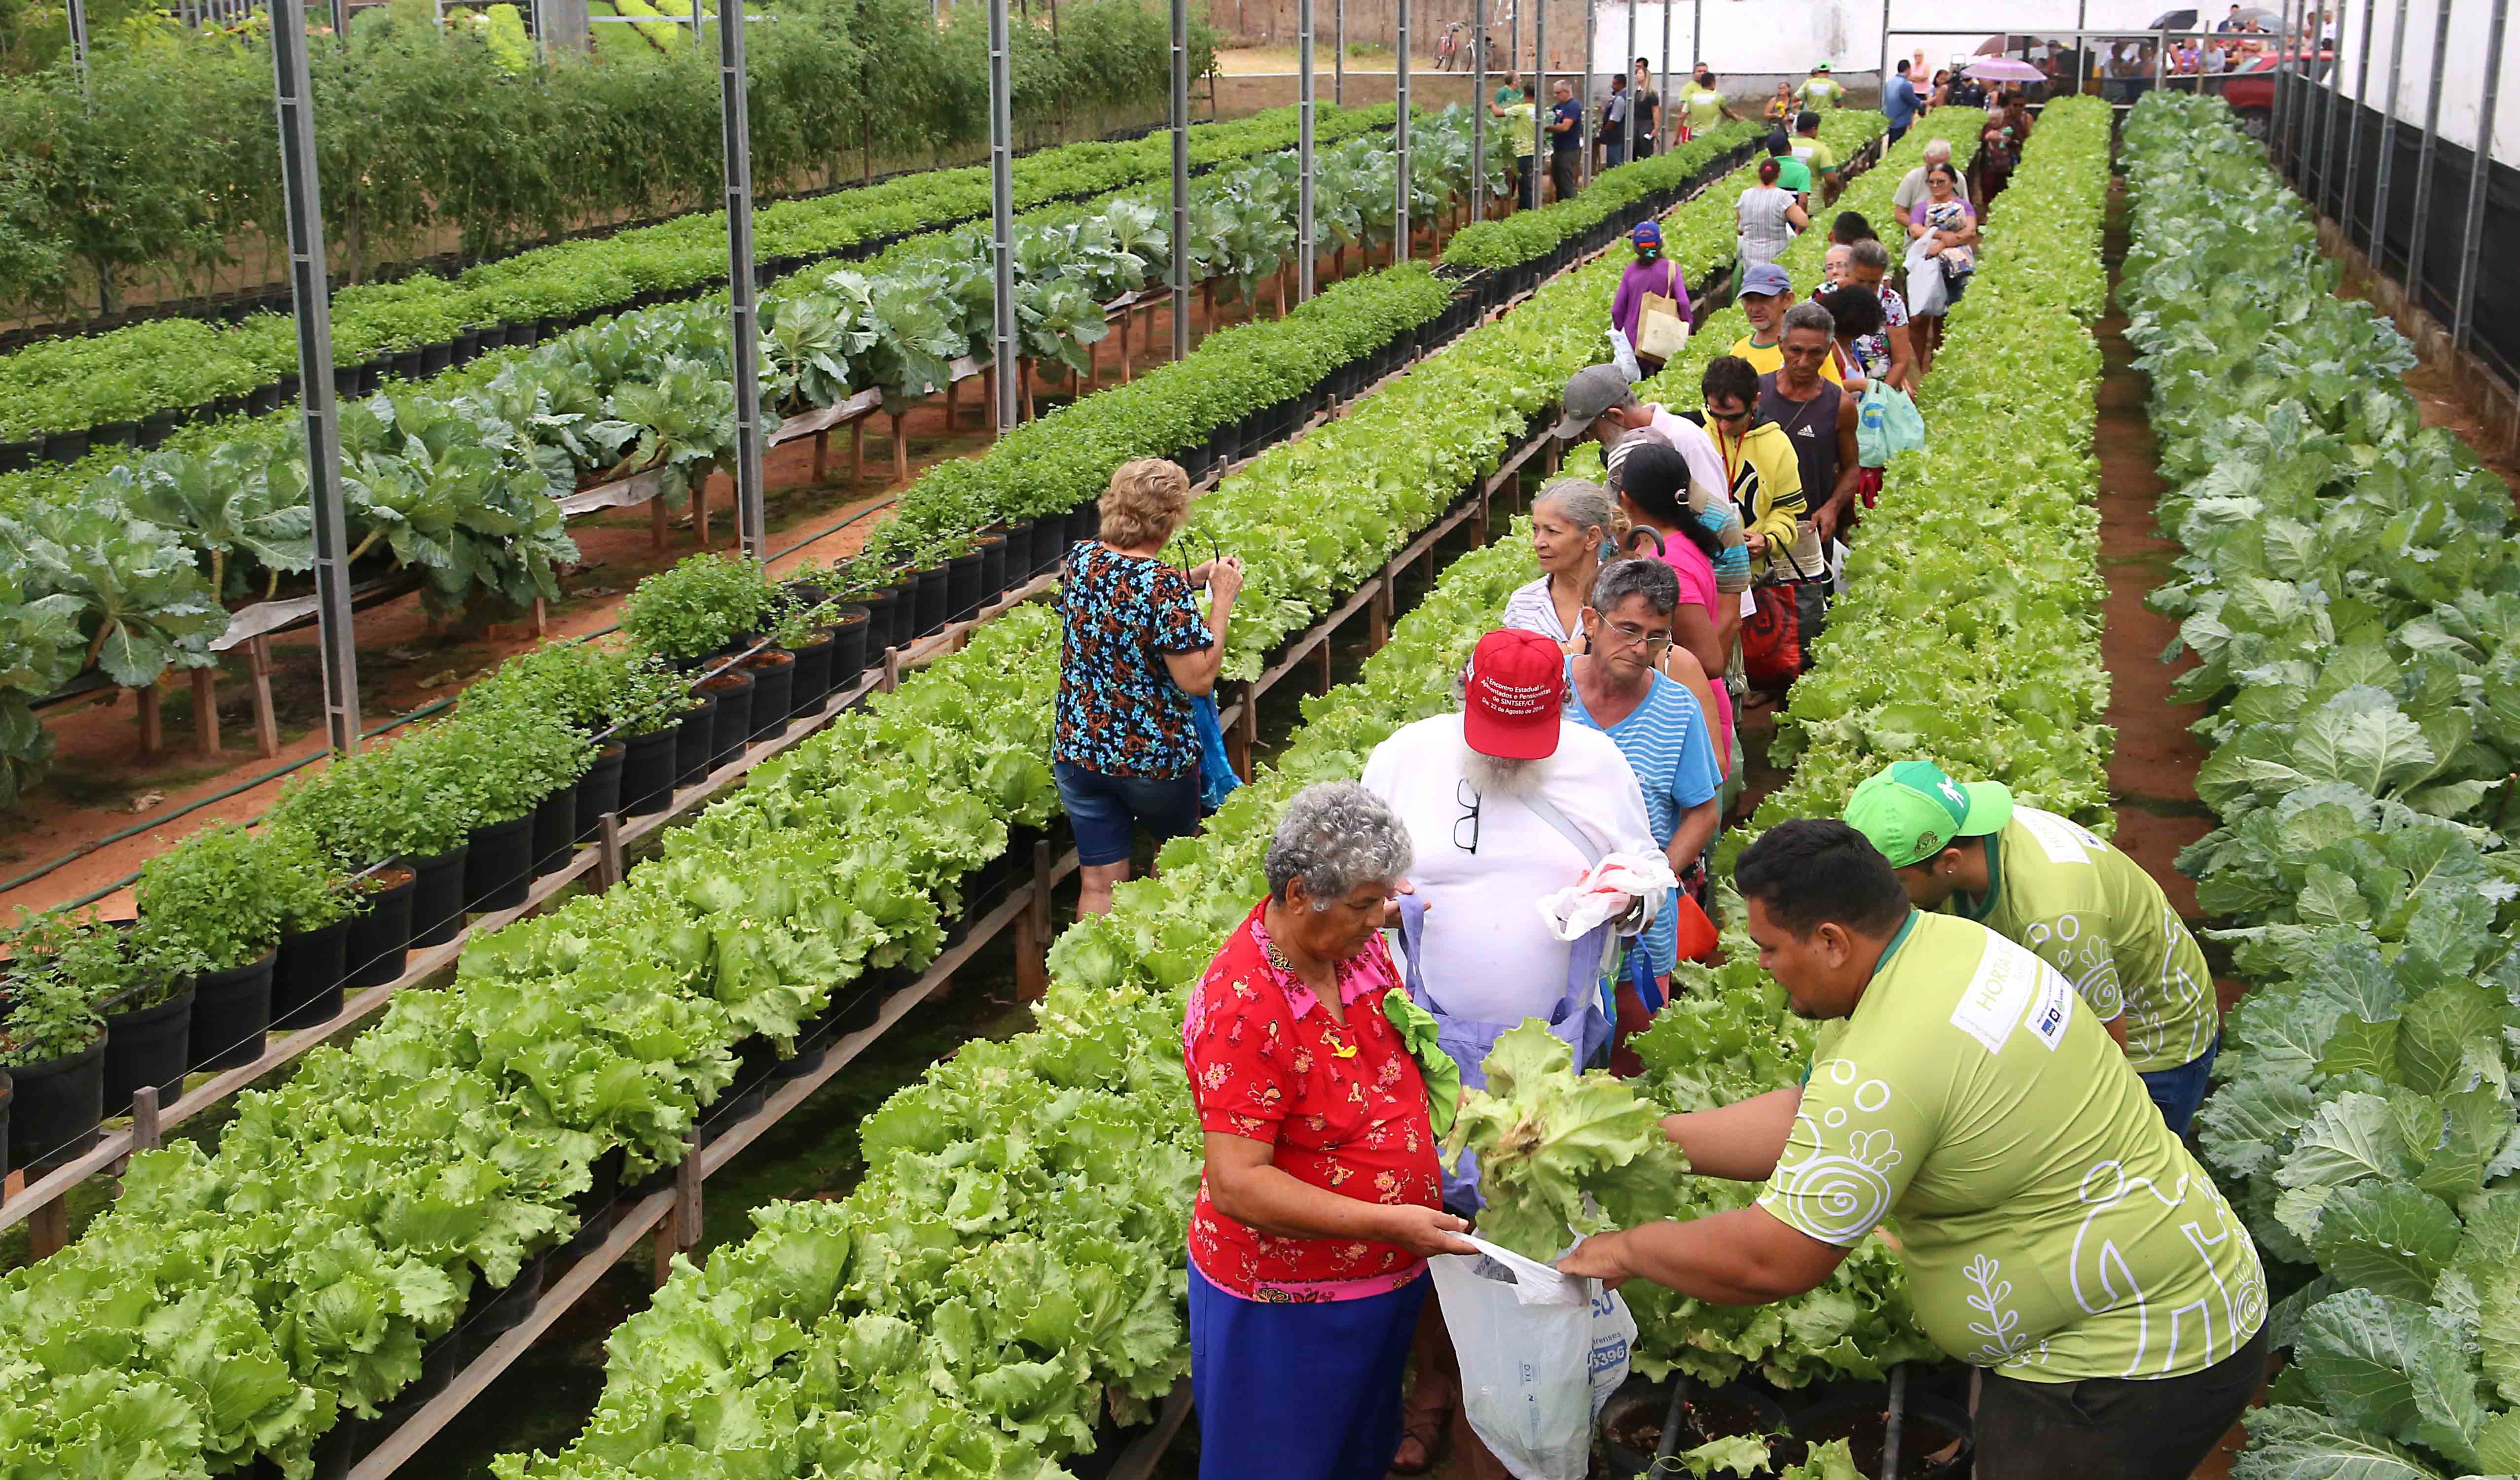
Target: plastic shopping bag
1624,355
1927,293
1216,777
1540,1352
1886,424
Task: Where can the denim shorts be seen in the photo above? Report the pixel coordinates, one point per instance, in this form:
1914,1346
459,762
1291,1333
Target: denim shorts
2179,1091
1105,810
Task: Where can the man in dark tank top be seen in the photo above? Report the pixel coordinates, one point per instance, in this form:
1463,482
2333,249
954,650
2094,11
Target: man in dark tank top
1818,419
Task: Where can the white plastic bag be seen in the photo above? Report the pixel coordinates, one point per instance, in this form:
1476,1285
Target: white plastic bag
1926,292
1624,355
1540,1352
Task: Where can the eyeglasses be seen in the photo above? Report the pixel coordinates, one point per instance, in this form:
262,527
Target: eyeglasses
1469,801
1742,415
1634,635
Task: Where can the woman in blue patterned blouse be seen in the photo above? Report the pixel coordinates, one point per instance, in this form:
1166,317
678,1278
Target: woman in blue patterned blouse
1134,652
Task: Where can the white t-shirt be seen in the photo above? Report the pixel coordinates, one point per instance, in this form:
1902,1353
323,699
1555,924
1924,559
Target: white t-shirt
1487,955
1911,189
1705,464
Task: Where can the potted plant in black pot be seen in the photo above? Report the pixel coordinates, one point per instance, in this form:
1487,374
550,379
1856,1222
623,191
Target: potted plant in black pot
52,1044
317,907
397,804
506,761
803,630
699,609
646,716
212,898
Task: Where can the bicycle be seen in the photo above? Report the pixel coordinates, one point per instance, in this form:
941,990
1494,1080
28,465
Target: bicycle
1448,47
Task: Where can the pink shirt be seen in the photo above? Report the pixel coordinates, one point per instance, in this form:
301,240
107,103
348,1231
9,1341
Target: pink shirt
1697,575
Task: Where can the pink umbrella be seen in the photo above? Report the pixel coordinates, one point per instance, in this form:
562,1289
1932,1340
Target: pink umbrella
2005,70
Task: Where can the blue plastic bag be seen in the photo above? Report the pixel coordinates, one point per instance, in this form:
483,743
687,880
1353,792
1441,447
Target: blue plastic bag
1216,777
1886,423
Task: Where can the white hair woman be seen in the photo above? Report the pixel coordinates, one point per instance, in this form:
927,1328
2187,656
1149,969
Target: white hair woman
1320,1197
1570,527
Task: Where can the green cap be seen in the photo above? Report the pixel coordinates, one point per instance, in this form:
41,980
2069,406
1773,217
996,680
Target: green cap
1912,811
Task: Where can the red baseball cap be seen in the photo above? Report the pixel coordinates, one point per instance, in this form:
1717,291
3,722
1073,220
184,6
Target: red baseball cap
1517,681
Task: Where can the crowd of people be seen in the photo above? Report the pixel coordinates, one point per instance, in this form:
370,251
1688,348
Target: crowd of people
2014,1006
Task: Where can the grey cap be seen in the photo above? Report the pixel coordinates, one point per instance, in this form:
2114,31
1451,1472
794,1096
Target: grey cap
1593,390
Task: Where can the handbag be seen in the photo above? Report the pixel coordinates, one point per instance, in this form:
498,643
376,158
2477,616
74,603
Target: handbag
1773,646
1661,333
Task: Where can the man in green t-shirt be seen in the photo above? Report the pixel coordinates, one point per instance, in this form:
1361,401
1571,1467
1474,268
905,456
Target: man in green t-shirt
2083,907
1702,105
1792,173
1963,1101
1508,94
1821,90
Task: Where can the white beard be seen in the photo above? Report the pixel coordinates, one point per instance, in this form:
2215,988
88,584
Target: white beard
1494,775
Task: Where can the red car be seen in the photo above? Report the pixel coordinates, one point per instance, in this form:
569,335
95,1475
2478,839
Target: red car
2250,88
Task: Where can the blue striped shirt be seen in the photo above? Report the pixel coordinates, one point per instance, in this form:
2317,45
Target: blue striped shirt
1667,746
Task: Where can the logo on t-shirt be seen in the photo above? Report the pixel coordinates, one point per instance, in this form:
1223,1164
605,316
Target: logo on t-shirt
1803,433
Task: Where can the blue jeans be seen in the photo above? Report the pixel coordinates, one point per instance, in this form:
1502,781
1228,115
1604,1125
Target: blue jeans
1105,810
2179,1091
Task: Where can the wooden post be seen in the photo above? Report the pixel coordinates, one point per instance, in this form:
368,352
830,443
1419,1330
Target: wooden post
145,1133
206,709
699,509
901,445
657,522
1092,368
857,451
989,400
1322,685
609,866
1246,732
1128,356
1032,931
891,669
1479,520
1023,378
821,453
1378,624
540,613
153,737
47,1229
687,1195
266,721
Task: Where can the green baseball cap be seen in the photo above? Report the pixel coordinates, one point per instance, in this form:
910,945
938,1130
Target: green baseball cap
1912,811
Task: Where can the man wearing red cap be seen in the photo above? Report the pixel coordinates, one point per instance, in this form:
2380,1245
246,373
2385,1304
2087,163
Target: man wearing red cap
1505,805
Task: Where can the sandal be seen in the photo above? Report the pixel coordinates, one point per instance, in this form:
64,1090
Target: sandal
1425,1450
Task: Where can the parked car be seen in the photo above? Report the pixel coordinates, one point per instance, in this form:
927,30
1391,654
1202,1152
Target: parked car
2251,88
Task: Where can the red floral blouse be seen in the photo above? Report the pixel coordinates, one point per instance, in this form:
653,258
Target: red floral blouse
1344,1107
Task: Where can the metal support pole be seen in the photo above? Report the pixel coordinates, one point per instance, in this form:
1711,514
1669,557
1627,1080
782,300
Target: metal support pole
2276,141
1002,208
2354,126
1181,178
1304,150
1696,35
2388,139
2330,95
2083,43
695,22
77,14
311,290
751,519
1479,112
1399,148
2424,159
1883,72
1662,81
2472,238
1583,94
1541,99
1628,70
1338,53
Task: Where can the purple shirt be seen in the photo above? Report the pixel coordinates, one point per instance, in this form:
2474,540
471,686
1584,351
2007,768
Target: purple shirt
1662,276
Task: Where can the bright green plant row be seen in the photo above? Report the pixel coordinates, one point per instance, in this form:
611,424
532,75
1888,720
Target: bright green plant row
1531,233
345,1218
175,363
156,163
2350,588
891,1365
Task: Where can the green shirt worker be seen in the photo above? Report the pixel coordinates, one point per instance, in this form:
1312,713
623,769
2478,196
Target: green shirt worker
1962,1098
2041,881
1821,91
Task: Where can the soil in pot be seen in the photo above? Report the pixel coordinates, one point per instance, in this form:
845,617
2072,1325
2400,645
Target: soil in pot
1631,1420
438,903
1934,1437
232,1013
381,933
694,741
148,1045
774,691
56,1106
556,830
647,767
931,605
599,791
306,980
851,643
811,676
499,864
732,689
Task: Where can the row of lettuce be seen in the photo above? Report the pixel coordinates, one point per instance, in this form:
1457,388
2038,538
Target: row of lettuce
806,1344
238,1304
183,366
2349,591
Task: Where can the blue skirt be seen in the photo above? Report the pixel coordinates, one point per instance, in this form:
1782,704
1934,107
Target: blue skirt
1298,1392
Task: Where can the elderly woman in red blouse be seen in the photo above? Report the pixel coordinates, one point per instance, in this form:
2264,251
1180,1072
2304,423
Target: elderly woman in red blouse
1321,1201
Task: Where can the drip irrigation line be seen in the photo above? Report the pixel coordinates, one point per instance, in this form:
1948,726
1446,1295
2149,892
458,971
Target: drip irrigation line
422,712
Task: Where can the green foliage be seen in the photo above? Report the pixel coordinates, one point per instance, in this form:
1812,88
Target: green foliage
219,894
699,606
1519,238
67,972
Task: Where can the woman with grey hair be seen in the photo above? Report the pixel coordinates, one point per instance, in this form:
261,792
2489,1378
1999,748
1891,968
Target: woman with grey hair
1321,1199
1572,522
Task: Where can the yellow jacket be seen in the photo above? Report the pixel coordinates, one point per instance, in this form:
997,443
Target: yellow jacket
1768,484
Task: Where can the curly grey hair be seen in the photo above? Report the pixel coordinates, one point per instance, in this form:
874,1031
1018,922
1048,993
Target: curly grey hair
1869,253
1811,316
1584,501
1643,576
1335,836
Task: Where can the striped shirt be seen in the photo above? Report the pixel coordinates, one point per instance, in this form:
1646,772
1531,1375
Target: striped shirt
1667,746
1529,609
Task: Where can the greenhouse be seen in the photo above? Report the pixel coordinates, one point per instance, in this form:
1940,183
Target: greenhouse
918,738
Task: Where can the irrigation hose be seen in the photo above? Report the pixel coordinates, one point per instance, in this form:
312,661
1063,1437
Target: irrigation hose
422,712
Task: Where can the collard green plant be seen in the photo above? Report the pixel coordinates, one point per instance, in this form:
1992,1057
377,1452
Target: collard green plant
143,604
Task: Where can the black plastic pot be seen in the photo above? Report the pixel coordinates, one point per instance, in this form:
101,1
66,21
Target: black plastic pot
157,427
1193,460
232,1013
881,607
851,646
339,1448
437,904
594,1206
647,769
65,446
59,1105
599,791
963,578
994,549
696,741
7,1092
556,830
436,359
113,434
1084,523
148,1045
499,864
306,979
18,457
734,727
774,691
262,400
381,933
810,675
930,608
403,364
510,1306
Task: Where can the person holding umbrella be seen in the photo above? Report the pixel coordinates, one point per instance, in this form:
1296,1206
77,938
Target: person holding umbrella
1963,1099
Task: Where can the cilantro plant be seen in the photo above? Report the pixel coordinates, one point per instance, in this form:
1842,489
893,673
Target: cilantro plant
213,894
703,603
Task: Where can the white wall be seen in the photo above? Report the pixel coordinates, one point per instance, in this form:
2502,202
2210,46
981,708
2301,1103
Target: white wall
1784,37
2462,79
